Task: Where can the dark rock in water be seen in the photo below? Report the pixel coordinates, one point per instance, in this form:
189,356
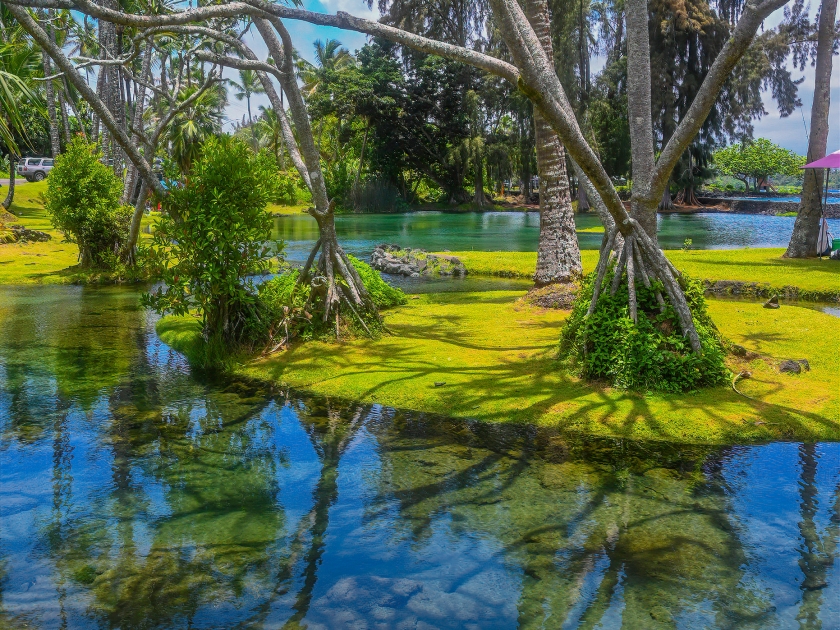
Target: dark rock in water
804,363
414,263
773,302
793,367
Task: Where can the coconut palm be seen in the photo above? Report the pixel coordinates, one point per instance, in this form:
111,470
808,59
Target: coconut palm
249,84
194,124
329,57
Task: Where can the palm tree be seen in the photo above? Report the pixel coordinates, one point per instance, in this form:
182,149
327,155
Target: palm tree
329,56
19,64
191,126
248,86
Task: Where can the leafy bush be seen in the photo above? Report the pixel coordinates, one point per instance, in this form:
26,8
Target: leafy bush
290,187
290,310
211,240
650,355
83,199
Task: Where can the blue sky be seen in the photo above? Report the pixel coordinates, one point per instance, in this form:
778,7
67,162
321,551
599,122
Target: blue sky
788,132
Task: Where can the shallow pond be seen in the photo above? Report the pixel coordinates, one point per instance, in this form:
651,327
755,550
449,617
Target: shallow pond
518,231
134,493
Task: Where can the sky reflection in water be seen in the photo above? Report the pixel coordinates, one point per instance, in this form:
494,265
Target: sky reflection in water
135,494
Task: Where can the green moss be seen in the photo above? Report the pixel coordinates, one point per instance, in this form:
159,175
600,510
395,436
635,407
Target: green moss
803,278
496,356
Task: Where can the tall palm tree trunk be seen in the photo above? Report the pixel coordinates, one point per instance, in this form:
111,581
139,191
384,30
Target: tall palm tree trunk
558,253
806,229
49,92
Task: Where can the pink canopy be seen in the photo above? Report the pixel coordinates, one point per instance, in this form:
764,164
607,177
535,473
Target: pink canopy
832,160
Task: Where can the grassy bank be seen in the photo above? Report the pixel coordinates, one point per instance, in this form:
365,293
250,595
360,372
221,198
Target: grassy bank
494,356
813,279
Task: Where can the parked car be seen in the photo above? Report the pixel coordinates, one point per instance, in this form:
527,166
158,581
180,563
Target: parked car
34,169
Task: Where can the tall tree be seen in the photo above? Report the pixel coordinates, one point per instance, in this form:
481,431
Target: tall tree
558,253
248,85
806,229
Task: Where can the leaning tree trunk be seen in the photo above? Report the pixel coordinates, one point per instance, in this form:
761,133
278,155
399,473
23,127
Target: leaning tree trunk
10,195
333,279
806,229
558,253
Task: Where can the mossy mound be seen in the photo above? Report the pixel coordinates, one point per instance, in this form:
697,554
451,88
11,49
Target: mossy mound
295,312
559,295
651,355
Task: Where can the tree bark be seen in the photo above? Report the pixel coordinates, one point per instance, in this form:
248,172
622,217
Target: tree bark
49,92
137,123
583,199
10,195
558,253
338,281
666,203
643,207
479,198
806,229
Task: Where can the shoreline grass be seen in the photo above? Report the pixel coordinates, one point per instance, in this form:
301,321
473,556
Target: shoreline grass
812,279
495,355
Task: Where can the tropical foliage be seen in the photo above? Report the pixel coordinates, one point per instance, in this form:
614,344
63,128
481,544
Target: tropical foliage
83,200
757,161
213,240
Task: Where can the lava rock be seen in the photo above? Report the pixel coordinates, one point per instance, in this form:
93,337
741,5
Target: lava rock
773,302
412,262
790,366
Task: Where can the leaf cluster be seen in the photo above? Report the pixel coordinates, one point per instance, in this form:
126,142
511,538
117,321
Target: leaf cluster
83,199
213,240
649,355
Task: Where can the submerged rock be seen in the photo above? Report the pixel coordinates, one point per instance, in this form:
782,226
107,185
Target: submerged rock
414,263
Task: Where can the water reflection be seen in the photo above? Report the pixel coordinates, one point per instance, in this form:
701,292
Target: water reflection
518,231
134,494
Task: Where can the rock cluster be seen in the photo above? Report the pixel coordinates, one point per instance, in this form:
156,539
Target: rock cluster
414,263
20,234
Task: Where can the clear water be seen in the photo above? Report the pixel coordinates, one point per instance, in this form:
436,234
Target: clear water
518,231
135,494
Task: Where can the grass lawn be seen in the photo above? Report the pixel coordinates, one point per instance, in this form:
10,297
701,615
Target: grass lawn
300,208
495,356
761,266
52,262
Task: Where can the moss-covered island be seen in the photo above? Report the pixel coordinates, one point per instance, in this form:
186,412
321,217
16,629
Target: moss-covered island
490,356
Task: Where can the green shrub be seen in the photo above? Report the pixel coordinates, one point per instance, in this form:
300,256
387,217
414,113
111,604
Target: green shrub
212,240
650,355
83,200
291,311
290,188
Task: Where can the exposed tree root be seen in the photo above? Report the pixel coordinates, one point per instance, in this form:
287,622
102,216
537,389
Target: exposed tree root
637,256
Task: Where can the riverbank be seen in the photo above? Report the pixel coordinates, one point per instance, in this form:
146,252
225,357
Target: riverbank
488,356
747,272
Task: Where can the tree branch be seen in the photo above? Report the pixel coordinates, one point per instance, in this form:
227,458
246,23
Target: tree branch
45,42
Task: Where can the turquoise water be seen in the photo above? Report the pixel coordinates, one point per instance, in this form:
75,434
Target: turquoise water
519,231
135,493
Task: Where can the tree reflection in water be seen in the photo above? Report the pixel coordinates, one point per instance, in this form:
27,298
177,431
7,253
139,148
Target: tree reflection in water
134,494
